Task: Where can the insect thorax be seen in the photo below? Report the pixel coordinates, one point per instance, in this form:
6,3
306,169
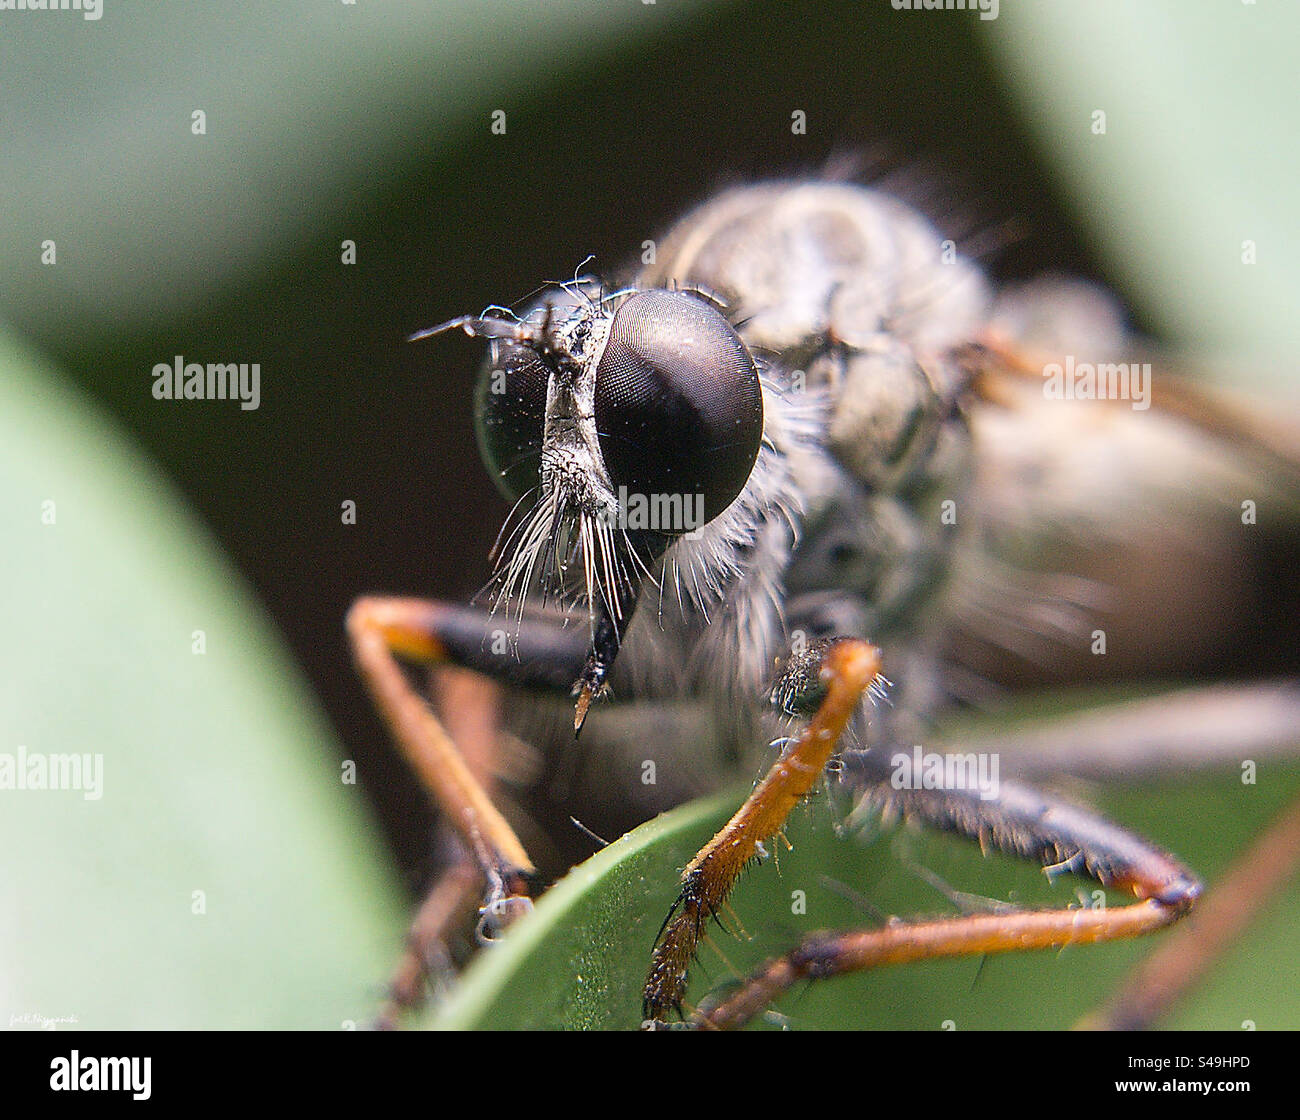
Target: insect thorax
853,304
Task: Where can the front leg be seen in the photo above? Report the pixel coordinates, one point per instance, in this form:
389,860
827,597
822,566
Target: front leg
539,654
542,655
419,631
834,678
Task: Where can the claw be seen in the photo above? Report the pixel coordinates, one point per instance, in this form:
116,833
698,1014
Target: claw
585,694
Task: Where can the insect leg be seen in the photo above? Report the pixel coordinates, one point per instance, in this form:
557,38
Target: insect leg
451,900
1018,820
428,632
847,669
487,852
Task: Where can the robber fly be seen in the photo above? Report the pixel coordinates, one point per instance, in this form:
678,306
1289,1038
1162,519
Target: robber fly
805,478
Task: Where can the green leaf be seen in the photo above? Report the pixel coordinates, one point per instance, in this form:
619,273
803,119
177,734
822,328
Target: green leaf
308,108
579,960
1198,155
218,774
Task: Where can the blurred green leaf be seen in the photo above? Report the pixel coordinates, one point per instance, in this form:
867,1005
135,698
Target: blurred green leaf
309,108
1200,153
579,960
218,774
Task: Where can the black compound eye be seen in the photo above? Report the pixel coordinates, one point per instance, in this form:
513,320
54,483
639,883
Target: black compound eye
510,417
679,410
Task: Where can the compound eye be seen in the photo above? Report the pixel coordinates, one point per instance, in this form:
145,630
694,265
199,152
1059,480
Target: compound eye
510,417
679,411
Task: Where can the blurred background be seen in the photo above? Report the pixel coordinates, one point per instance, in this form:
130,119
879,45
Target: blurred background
327,122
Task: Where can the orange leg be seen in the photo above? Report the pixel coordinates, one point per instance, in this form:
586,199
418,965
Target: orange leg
1017,819
822,956
378,629
539,655
1020,821
848,670
449,903
468,703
